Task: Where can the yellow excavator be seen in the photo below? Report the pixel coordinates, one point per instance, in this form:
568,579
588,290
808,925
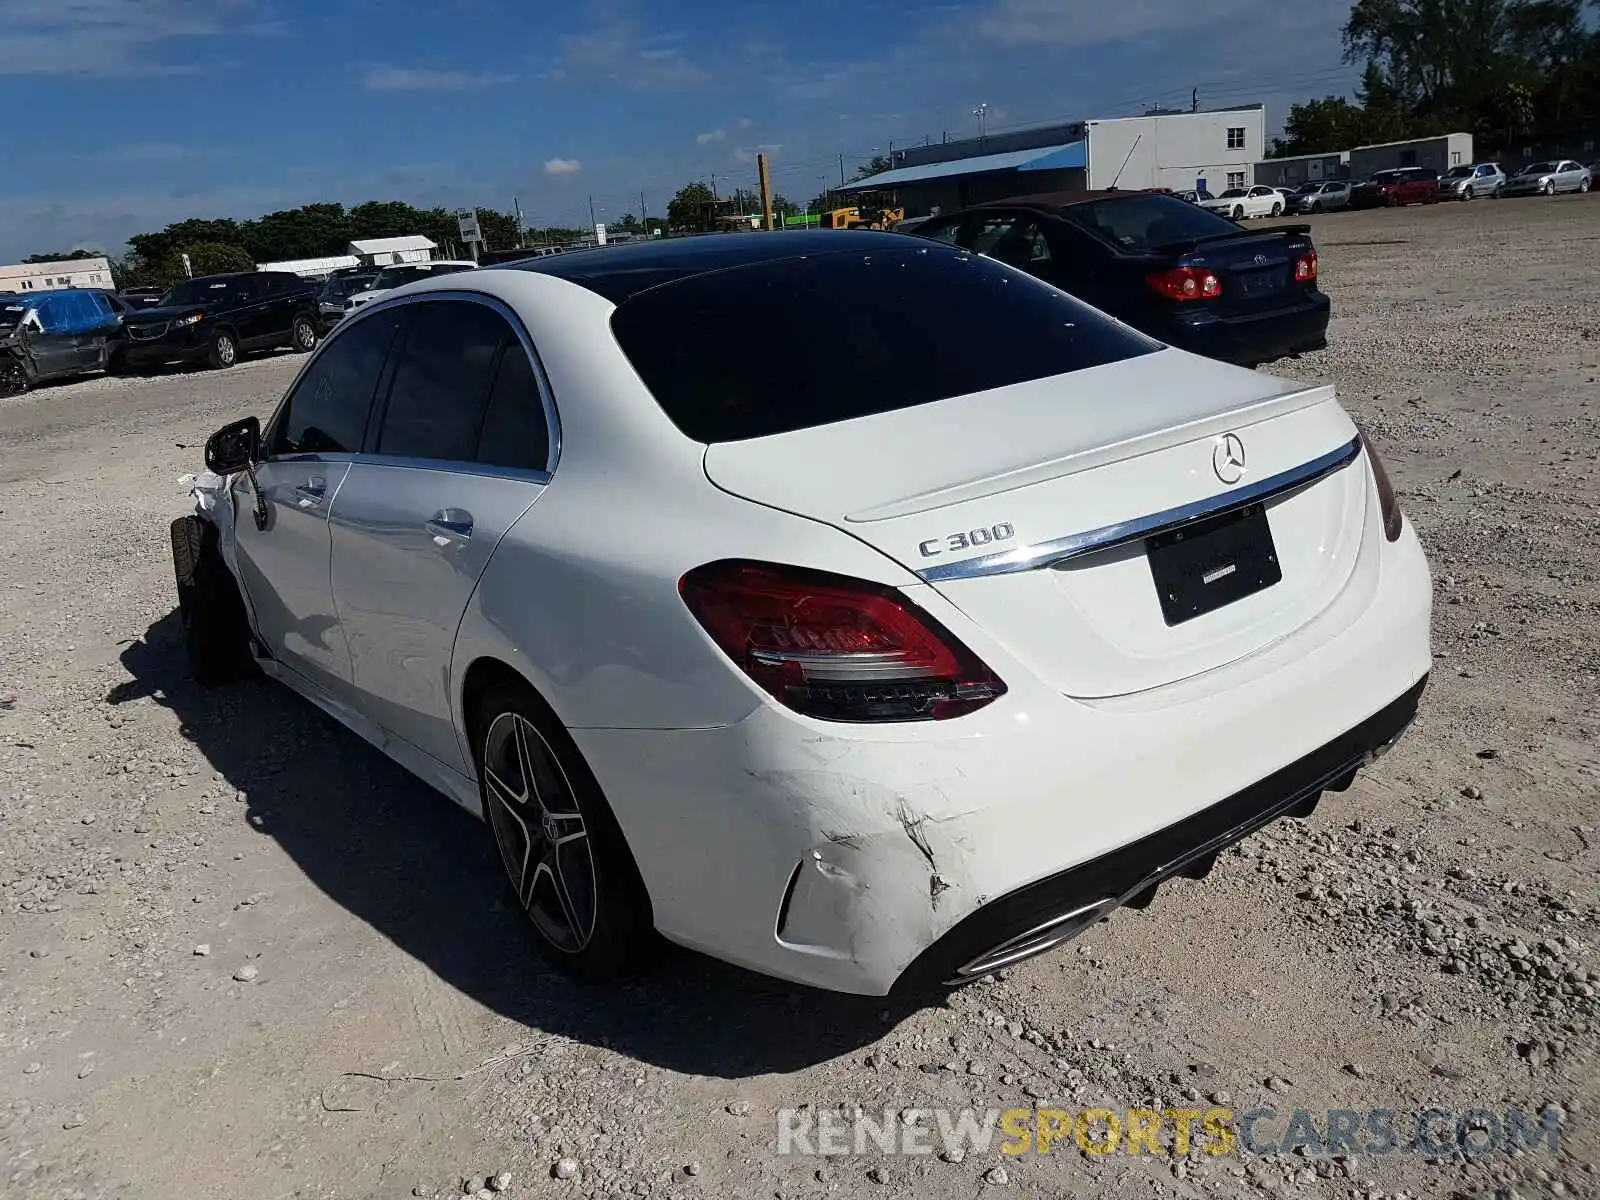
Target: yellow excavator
863,216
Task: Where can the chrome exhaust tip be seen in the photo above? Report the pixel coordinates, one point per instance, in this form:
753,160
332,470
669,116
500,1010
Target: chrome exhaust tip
1041,939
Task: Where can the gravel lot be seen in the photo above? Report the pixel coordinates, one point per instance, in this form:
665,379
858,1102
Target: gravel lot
241,954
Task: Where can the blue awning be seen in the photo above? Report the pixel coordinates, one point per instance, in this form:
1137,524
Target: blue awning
1074,156
1040,158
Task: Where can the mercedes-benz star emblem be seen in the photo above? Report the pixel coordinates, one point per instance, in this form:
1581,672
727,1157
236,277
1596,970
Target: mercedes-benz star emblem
1227,458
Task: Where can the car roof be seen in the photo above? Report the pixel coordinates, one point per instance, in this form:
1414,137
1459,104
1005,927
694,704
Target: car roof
1056,200
621,272
31,296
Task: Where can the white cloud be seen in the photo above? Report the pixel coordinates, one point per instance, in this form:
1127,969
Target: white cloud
748,155
562,166
1039,22
112,37
616,48
420,79
715,135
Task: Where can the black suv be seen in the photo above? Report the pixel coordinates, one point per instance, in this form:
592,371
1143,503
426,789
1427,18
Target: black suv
214,318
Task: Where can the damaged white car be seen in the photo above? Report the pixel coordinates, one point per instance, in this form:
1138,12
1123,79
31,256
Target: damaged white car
869,614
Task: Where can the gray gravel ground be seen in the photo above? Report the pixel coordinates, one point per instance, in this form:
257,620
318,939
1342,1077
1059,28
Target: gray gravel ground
241,954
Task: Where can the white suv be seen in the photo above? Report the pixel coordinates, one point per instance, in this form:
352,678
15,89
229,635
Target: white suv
403,273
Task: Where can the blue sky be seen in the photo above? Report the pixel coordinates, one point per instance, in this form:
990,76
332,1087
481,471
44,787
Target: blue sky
127,114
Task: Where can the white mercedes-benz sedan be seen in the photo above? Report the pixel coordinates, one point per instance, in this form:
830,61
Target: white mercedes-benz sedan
856,609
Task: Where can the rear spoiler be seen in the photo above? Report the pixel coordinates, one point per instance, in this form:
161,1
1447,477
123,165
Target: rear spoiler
1210,238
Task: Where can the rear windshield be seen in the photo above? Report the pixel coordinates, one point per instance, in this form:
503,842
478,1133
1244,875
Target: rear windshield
1544,168
198,291
790,344
1145,222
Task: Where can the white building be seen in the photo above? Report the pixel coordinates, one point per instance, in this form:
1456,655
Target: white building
1212,149
73,273
386,252
312,268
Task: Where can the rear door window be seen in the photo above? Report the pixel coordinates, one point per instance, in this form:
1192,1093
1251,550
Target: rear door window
327,411
1141,223
515,433
840,334
442,380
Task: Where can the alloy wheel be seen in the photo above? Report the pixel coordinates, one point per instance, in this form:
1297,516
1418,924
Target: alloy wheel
305,336
13,378
540,830
225,350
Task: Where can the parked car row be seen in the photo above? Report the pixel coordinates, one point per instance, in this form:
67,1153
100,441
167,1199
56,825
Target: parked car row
213,320
1402,186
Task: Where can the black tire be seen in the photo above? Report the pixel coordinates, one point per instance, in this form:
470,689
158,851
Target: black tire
1583,186
1277,210
588,873
216,632
1549,189
224,351
303,334
15,377
1238,212
1467,193
117,362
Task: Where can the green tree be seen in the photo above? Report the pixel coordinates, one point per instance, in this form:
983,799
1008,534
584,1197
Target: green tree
693,209
63,256
820,203
877,166
1321,126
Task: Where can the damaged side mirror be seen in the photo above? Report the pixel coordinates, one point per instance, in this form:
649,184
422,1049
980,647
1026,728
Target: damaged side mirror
234,448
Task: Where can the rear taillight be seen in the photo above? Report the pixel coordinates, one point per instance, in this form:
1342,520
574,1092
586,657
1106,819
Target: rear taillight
1388,502
1185,283
836,648
1305,269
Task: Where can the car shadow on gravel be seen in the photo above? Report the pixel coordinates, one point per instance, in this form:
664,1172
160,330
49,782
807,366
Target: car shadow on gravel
421,871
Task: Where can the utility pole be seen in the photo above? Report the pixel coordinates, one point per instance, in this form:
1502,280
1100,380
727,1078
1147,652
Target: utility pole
517,208
591,213
841,170
713,185
1194,101
982,113
766,191
644,220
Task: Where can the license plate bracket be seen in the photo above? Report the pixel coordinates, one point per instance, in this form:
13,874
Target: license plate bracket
1208,564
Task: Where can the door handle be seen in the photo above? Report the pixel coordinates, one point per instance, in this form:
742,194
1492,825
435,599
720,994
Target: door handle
450,524
310,493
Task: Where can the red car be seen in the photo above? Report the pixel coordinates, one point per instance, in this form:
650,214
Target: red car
1405,185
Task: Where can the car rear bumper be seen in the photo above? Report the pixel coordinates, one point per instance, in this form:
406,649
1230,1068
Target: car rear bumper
1252,339
876,859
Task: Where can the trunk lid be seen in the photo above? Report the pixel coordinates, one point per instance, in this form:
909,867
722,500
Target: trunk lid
989,492
1256,269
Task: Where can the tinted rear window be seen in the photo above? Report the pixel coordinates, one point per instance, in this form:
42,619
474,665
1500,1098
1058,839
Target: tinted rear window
783,345
1145,222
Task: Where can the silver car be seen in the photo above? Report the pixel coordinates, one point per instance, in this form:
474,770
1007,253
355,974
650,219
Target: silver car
1320,196
1472,181
1547,178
